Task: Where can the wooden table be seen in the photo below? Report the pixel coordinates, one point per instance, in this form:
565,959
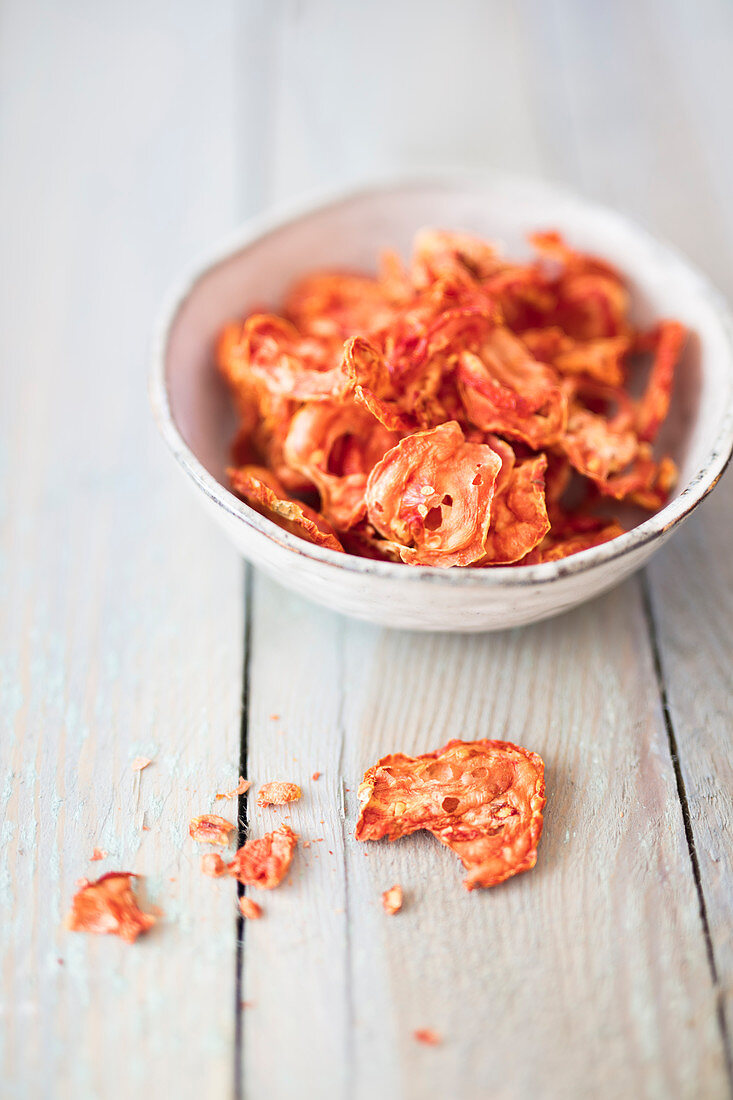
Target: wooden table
134,135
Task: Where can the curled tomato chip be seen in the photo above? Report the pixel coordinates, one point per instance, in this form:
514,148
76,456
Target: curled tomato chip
109,906
261,489
277,794
431,494
338,394
483,799
210,829
392,900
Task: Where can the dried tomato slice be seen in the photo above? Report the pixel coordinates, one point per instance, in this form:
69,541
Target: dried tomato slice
667,340
261,489
432,494
109,906
249,909
483,799
518,514
336,446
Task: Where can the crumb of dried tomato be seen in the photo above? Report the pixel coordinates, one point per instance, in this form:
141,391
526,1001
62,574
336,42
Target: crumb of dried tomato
250,909
109,906
392,899
139,763
99,853
213,865
427,1036
483,799
265,862
316,775
210,829
241,788
277,793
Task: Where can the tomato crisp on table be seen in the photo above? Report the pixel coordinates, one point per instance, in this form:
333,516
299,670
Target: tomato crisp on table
483,799
263,862
278,794
109,906
463,411
210,829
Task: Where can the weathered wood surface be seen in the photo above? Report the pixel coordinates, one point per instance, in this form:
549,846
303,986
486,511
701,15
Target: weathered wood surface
121,610
137,136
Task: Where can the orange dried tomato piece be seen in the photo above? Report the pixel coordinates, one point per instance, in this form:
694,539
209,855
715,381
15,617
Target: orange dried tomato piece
210,829
439,254
427,1037
241,788
277,794
561,545
432,495
335,305
392,900
266,861
109,906
336,446
249,909
271,353
483,799
213,865
519,519
667,340
261,489
592,301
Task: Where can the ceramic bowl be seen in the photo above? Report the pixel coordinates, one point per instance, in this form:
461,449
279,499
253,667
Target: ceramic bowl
195,417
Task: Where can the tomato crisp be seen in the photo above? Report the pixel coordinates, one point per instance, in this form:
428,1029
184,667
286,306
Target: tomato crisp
249,909
392,899
277,794
109,906
483,799
464,410
263,862
210,829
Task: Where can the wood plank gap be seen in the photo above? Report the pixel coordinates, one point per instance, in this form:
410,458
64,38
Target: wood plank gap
242,829
687,820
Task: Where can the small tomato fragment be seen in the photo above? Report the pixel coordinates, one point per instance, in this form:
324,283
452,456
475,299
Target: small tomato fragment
392,899
210,829
139,763
277,793
241,788
98,853
213,865
427,1036
109,906
484,799
264,862
249,909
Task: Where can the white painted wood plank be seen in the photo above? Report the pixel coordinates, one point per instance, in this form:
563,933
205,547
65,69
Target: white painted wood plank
691,584
608,925
121,610
666,122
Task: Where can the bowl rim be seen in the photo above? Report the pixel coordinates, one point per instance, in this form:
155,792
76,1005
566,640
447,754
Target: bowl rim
280,216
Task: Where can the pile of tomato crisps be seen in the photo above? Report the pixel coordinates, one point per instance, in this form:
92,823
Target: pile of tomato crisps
463,410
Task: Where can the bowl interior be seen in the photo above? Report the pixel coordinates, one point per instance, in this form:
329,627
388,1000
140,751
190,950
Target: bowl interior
352,232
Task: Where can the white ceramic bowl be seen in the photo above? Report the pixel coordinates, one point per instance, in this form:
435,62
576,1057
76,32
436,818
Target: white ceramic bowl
195,418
